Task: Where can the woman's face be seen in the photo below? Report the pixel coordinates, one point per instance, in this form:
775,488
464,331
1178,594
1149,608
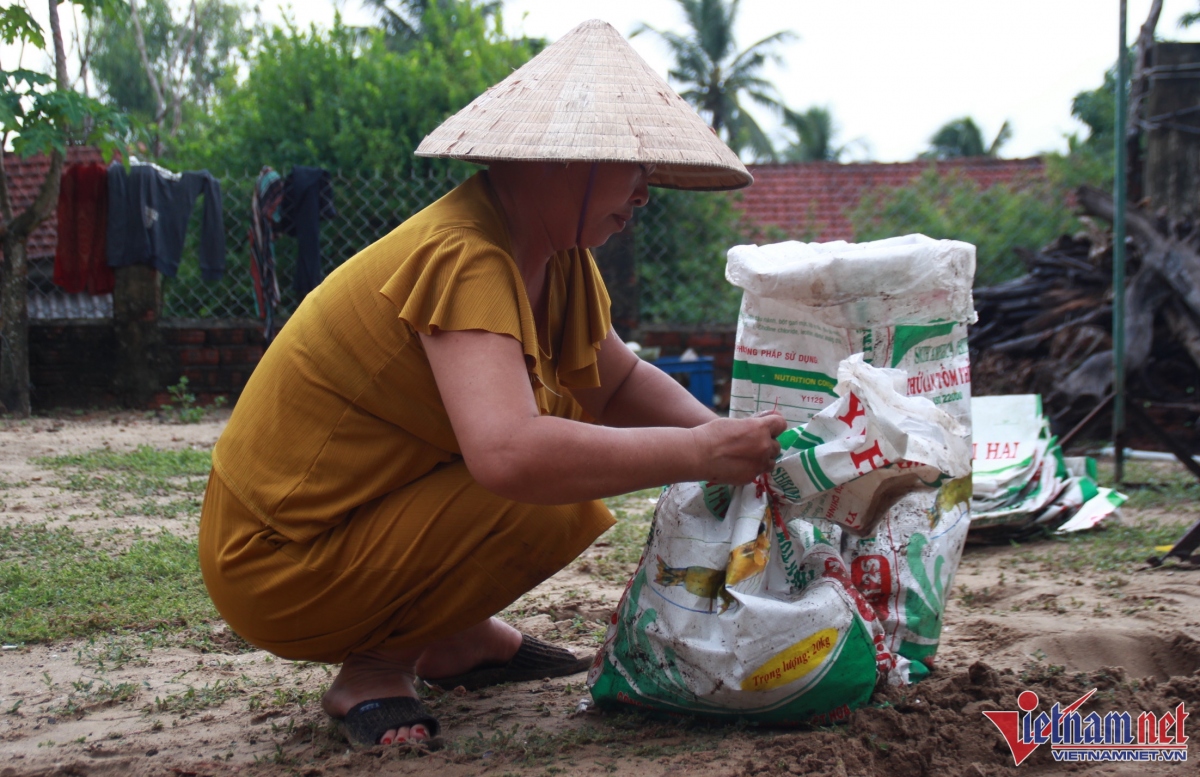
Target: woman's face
617,189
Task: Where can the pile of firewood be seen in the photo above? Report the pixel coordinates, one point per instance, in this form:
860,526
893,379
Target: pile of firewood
1050,331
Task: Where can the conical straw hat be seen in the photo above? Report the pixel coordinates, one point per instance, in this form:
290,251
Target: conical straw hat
589,97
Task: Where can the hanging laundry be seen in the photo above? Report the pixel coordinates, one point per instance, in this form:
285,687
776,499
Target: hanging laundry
80,258
148,212
307,199
264,220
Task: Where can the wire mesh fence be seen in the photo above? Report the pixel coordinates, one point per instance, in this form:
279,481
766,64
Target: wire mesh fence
680,241
368,207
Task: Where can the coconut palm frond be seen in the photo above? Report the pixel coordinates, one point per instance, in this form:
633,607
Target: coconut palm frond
957,138
814,131
1001,138
713,76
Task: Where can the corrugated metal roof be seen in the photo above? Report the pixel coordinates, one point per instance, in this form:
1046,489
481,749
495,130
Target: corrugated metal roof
58,304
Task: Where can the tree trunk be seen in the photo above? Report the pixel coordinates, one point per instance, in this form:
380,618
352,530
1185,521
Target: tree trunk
1138,84
14,331
15,230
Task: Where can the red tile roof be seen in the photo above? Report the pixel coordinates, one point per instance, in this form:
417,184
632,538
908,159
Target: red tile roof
25,178
811,200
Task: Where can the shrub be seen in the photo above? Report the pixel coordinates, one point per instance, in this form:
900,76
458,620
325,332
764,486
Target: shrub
996,219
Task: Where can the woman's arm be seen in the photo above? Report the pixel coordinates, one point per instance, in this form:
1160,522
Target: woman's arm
517,453
635,393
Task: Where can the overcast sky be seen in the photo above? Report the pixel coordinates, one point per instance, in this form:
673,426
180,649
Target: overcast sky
893,72
890,71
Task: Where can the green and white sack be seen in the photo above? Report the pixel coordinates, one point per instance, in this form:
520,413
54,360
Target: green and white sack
858,534
904,303
1022,482
743,604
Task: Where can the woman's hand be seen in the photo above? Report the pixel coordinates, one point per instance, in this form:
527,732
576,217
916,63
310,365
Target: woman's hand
737,450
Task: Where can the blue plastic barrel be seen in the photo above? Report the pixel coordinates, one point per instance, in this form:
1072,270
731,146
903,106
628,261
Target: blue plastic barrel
696,375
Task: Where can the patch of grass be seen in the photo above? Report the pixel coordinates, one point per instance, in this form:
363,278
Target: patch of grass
286,697
58,584
114,652
1154,484
7,484
622,546
144,472
89,693
1112,549
202,697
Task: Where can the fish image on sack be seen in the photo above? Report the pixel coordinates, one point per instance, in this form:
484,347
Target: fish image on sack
703,582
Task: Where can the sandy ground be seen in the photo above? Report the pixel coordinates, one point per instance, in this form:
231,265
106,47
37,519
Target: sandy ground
1010,626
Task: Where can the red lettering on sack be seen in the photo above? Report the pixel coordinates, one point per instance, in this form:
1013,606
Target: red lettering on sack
856,411
869,456
998,450
873,576
836,570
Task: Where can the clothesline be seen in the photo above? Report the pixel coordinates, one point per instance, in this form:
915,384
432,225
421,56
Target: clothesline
113,217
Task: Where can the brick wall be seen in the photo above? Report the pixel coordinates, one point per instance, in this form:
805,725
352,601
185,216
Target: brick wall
717,342
216,357
72,363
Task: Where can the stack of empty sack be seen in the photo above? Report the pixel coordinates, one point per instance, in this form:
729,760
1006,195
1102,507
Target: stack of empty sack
787,600
1022,482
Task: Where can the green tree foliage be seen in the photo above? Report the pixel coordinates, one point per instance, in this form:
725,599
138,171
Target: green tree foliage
682,238
403,21
963,138
1189,18
996,220
221,32
328,98
354,104
1089,159
39,113
813,133
1097,109
192,60
717,78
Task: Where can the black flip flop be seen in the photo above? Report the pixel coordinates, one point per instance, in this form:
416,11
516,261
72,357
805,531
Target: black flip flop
534,660
367,721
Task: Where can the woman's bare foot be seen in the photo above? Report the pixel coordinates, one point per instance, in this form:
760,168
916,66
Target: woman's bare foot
382,673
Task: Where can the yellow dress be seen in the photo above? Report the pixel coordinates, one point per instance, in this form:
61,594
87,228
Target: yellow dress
339,514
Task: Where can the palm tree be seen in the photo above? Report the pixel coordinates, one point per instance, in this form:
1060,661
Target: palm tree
1189,18
717,77
962,138
814,132
401,20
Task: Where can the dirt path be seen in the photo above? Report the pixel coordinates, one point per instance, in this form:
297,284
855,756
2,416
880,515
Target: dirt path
196,701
